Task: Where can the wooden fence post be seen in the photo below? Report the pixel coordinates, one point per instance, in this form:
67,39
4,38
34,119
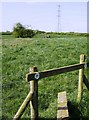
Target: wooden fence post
80,83
34,91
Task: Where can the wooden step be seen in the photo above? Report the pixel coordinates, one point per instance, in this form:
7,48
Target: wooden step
62,112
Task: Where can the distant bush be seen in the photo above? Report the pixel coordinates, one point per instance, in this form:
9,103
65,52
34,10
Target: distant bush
39,32
6,33
68,33
20,31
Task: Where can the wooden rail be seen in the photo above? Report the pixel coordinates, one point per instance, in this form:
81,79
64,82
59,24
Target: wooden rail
52,72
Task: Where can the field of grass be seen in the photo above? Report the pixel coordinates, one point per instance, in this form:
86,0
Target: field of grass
44,53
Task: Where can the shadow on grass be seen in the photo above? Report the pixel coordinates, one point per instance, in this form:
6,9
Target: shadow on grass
73,109
71,118
75,113
47,118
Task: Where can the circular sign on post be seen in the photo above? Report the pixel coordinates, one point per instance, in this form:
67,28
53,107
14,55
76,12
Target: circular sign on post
37,76
85,65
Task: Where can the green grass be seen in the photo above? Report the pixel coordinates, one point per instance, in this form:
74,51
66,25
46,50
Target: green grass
45,53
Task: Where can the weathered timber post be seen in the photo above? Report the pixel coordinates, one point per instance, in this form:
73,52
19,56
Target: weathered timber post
80,84
34,91
23,107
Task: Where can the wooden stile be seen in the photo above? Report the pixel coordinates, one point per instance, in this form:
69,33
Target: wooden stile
32,98
62,112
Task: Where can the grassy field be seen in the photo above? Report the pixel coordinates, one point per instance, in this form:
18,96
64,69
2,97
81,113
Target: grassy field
44,53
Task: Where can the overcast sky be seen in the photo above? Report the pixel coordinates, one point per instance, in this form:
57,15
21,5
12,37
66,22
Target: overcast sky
44,15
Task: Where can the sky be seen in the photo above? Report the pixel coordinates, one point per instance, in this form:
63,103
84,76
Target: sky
44,15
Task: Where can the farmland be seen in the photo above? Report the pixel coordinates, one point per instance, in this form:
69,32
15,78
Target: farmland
45,53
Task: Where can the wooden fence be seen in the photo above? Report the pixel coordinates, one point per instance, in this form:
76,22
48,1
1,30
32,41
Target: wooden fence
33,76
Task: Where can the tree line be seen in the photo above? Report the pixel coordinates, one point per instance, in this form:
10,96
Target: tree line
20,31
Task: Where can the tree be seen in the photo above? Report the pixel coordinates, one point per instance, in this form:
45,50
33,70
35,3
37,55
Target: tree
20,31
